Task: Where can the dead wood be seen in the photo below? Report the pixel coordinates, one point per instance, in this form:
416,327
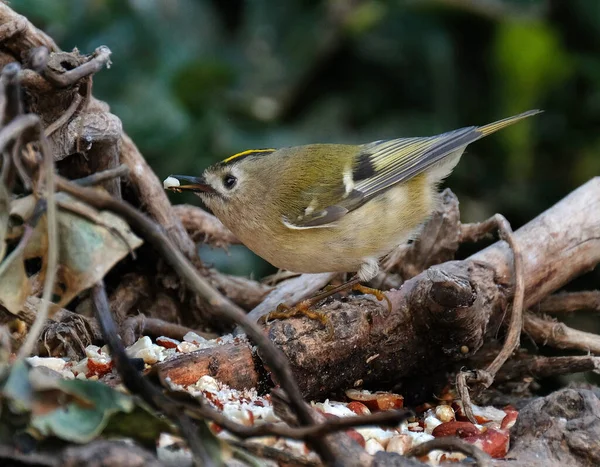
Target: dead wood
558,335
443,315
246,293
233,364
131,289
203,227
566,302
153,197
137,326
66,334
541,367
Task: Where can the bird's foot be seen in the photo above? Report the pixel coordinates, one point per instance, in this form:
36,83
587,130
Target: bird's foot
304,308
379,295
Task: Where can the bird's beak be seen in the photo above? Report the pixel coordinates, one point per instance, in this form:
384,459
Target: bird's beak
180,183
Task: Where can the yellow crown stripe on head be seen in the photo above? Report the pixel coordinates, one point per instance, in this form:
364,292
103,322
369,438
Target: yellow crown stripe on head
246,153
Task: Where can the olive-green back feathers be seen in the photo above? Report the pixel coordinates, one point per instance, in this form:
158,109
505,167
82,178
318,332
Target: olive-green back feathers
377,166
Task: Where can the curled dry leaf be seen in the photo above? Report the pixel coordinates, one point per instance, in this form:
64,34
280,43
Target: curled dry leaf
14,284
90,244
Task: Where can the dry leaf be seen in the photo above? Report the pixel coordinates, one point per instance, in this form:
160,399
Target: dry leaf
14,284
90,244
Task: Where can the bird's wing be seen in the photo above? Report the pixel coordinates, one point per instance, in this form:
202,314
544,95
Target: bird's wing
383,164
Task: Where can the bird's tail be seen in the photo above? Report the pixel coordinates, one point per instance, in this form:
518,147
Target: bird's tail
493,127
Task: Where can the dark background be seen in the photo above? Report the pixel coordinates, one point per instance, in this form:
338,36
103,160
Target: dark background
196,81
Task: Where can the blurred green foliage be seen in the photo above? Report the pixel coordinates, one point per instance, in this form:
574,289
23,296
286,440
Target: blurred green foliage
196,81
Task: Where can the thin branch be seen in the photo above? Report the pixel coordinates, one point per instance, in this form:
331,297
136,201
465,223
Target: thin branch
330,425
16,127
515,324
567,302
464,395
543,367
100,177
12,86
281,457
141,325
558,335
153,197
138,385
486,377
65,117
273,356
450,443
52,255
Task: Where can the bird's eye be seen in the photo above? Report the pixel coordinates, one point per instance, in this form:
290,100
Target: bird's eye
229,181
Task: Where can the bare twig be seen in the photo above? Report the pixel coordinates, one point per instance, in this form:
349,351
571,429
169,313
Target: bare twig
330,425
244,292
542,367
561,244
559,335
16,127
281,457
450,443
141,325
566,302
12,85
100,177
65,117
515,324
138,385
9,133
463,393
154,198
154,235
52,256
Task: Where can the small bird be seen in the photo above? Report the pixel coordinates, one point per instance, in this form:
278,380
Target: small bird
332,207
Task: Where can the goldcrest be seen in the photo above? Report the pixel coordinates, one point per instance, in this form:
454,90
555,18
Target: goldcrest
332,207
